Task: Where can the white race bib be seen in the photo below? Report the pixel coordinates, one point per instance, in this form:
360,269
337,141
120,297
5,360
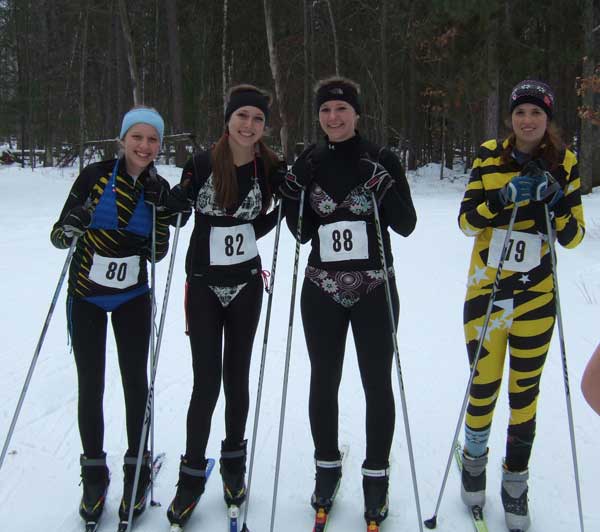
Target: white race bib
115,272
523,252
232,245
344,241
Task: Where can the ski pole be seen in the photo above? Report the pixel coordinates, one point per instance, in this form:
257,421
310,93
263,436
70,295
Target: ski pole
388,297
152,340
432,521
262,364
38,348
563,352
287,358
150,396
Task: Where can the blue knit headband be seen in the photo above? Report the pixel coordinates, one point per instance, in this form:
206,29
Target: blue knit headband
143,115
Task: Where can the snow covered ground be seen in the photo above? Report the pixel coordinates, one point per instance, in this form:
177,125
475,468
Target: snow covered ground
39,480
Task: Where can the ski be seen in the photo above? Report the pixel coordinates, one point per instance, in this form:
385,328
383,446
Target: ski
476,512
322,516
178,527
92,526
156,467
373,527
233,514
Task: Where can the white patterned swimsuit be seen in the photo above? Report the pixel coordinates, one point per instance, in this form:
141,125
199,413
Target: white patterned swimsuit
344,287
249,209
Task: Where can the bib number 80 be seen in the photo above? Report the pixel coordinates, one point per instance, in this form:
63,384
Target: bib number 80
116,271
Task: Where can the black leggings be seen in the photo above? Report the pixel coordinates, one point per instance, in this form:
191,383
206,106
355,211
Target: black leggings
131,326
207,322
325,328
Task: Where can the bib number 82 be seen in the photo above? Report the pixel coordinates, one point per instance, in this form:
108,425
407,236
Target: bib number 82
342,240
229,245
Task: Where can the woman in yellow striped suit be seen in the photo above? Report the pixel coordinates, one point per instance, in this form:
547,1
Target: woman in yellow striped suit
524,308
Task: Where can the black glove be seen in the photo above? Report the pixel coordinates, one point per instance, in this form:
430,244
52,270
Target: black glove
179,199
298,178
377,178
76,222
155,189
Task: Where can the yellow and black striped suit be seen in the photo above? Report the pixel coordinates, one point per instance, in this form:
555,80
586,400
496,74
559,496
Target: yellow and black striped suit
524,311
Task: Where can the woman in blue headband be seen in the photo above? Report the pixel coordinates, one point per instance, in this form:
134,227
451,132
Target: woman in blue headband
109,212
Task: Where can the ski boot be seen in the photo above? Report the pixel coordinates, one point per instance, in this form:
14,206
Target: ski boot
129,466
192,480
375,490
514,499
473,479
95,479
327,479
233,471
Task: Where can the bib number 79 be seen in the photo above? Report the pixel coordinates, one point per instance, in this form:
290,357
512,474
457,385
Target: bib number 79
519,250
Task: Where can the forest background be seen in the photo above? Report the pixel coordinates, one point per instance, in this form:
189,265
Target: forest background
435,75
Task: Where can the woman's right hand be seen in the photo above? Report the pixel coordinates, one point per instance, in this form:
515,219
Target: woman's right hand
76,222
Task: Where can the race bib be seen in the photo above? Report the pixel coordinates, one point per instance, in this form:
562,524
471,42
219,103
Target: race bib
232,245
115,272
522,254
344,241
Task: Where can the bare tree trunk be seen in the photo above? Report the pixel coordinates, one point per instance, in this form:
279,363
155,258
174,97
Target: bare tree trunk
493,71
82,87
176,86
133,71
276,73
336,48
224,67
383,135
586,142
307,69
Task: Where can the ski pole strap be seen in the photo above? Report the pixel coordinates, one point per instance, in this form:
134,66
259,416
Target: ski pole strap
92,462
265,277
132,460
192,472
328,464
377,473
238,453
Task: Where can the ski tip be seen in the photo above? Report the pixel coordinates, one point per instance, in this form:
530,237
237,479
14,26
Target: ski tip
175,528
431,523
372,526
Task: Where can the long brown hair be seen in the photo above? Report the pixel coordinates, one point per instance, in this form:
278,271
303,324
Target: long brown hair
551,148
223,167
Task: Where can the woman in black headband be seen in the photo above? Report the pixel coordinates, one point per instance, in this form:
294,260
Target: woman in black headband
344,284
528,169
230,188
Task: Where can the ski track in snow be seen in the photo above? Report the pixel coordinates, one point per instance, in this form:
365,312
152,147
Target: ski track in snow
39,481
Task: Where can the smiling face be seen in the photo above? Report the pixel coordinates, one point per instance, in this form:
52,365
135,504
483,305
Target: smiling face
529,124
246,127
338,120
141,145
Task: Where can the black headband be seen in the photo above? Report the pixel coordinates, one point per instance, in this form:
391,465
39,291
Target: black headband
337,91
247,97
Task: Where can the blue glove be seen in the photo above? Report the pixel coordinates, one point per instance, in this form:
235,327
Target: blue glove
549,190
520,188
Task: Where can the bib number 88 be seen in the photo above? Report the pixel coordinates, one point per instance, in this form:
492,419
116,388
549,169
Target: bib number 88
342,240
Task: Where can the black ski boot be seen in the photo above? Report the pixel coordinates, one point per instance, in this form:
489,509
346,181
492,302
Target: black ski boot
95,479
192,480
473,479
233,472
375,490
327,479
129,465
514,499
